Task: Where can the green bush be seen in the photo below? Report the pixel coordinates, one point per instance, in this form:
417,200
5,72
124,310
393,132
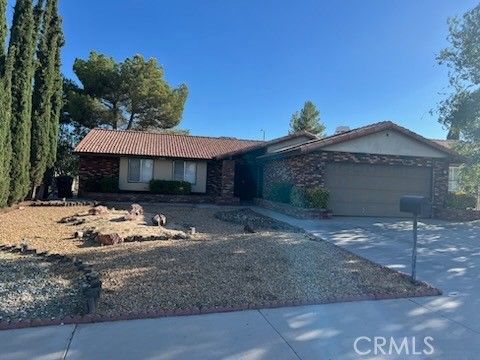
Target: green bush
108,184
460,201
313,197
280,192
317,197
170,187
298,197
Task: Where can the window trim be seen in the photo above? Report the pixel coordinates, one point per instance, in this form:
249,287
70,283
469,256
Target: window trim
140,174
453,181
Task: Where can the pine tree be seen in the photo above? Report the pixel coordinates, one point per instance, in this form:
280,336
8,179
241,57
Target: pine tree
43,132
308,119
22,51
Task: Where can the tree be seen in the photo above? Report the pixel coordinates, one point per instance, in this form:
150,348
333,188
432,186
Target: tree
308,119
44,117
22,50
460,111
131,94
5,79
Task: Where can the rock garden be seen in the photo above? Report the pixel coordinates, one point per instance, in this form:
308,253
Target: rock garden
188,258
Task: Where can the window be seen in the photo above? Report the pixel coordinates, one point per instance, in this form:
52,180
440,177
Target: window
453,178
140,170
185,171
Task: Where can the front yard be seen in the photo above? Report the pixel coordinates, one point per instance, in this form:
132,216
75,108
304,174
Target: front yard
221,265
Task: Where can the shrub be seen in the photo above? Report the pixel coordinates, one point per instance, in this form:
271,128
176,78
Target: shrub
280,192
460,201
108,184
170,187
298,197
314,197
317,197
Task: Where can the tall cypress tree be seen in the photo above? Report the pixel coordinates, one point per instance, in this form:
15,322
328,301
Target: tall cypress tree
22,50
5,76
43,92
56,100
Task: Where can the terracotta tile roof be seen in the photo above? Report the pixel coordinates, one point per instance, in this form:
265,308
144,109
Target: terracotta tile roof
359,132
127,142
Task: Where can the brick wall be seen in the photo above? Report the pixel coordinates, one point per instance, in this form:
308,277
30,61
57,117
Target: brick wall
93,167
221,178
309,169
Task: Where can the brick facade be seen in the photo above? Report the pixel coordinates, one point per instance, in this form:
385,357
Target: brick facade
309,169
96,167
221,178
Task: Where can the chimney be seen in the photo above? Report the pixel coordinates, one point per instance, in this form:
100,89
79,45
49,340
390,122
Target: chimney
341,129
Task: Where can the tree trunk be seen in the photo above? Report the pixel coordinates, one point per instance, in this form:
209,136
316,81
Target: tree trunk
130,121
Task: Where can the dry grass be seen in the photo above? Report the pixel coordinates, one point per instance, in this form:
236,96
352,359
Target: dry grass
221,265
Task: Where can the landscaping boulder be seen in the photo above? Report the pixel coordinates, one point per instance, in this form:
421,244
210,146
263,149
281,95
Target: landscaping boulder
159,220
98,210
130,216
109,239
78,234
136,209
180,236
248,229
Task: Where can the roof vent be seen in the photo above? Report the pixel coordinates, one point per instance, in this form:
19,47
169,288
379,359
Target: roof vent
341,129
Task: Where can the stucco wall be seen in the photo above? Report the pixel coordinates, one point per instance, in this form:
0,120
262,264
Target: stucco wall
387,142
162,170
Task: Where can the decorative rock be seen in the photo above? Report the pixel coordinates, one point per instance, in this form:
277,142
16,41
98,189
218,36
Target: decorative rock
248,229
193,231
109,239
180,236
136,209
98,210
159,220
130,216
78,234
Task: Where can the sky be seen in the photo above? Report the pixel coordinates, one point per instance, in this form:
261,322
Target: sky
250,64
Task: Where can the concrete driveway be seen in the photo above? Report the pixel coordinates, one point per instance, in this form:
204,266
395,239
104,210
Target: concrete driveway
449,258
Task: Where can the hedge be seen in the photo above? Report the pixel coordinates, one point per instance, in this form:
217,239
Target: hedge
460,201
170,187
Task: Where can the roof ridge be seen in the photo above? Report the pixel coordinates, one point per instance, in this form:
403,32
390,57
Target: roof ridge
185,135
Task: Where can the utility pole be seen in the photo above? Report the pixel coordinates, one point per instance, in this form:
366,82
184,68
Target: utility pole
263,132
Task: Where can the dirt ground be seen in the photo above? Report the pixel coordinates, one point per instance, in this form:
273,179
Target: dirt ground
221,265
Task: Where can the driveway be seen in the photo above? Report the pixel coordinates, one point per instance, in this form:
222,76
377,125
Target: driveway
449,258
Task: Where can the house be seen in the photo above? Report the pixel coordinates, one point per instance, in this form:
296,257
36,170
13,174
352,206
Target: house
365,169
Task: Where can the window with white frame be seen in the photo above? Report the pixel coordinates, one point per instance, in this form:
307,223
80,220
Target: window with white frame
185,171
140,170
453,178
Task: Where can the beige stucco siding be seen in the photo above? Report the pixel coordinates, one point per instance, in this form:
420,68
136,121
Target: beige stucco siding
162,170
387,142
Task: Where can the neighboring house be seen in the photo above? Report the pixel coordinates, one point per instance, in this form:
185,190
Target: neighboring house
366,170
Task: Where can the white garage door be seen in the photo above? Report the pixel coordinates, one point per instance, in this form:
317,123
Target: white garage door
374,190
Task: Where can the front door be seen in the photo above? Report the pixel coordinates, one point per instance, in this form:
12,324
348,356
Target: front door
245,181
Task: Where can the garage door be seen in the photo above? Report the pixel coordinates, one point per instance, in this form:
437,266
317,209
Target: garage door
374,190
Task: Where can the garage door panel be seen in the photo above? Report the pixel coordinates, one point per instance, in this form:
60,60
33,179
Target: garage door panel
373,190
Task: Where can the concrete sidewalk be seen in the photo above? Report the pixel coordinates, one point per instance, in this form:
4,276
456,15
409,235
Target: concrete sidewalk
449,257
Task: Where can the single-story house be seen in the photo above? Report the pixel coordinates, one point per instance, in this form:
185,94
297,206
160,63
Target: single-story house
364,169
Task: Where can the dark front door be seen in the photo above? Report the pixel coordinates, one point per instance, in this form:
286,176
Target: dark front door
245,181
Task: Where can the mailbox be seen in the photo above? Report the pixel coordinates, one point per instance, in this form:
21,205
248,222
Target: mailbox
417,205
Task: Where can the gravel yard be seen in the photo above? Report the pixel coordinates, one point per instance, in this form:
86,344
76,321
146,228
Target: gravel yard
33,288
221,265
